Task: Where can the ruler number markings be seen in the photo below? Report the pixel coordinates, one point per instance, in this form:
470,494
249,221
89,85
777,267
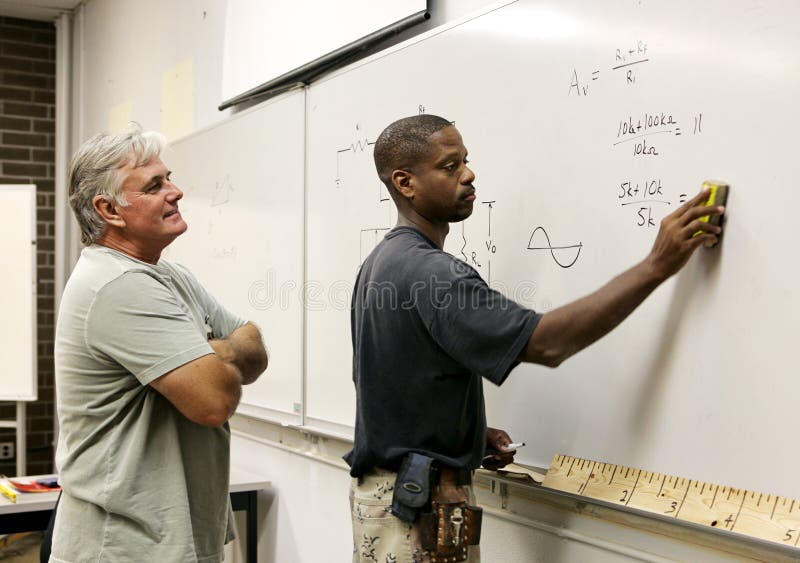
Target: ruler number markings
756,514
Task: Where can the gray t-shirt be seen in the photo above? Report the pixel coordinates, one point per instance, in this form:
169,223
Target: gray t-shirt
426,329
141,482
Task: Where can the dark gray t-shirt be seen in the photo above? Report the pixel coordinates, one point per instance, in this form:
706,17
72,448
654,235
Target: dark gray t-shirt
426,328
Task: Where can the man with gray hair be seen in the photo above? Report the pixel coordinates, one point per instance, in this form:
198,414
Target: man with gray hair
149,367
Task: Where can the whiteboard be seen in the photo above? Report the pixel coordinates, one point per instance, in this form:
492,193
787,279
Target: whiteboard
260,46
18,292
243,201
549,96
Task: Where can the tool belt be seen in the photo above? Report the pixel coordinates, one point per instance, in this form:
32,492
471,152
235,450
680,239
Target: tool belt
432,495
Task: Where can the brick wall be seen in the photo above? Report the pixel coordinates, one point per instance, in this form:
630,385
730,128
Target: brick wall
27,141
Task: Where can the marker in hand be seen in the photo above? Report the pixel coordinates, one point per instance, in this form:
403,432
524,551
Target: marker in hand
510,448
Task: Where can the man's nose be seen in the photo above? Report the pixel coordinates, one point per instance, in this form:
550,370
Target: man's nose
175,193
468,177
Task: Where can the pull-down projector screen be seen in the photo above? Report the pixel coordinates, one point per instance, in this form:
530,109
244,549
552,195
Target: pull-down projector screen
265,39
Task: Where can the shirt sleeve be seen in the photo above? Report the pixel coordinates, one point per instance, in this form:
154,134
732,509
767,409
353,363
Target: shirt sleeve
138,323
222,321
479,327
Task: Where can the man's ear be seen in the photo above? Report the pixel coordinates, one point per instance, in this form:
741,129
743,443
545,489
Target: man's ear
107,209
402,180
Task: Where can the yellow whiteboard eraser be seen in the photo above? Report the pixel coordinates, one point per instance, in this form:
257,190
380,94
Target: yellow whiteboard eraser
717,196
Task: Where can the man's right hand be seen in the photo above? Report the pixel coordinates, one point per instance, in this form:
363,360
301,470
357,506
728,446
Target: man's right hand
676,240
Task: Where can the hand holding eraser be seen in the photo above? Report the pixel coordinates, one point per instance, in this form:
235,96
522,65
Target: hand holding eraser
718,196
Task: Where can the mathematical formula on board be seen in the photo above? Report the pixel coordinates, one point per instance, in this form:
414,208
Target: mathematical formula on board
643,135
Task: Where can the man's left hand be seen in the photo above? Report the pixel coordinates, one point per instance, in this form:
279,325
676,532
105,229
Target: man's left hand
497,457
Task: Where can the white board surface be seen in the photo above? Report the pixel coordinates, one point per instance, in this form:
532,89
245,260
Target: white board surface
265,39
18,292
243,201
566,107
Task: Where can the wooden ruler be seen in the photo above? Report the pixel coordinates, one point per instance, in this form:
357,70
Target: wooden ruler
767,517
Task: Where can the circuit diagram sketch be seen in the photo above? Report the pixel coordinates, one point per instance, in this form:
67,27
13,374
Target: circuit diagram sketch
355,173
480,256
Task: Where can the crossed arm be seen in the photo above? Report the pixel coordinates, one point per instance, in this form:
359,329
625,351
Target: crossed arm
207,390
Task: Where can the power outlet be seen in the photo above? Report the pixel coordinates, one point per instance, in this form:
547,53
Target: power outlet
6,450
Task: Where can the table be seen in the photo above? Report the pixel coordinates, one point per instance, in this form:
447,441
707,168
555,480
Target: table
32,511
244,489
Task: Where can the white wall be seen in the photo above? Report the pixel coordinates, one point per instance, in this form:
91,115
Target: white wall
129,44
305,512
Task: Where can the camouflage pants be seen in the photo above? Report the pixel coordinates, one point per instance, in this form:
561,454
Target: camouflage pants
378,535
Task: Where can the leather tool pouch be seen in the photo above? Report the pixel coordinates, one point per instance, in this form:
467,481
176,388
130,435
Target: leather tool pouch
447,531
412,490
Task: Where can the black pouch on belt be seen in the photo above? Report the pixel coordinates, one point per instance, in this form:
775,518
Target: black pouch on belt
412,490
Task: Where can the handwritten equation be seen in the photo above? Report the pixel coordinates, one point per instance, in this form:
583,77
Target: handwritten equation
624,63
644,136
637,129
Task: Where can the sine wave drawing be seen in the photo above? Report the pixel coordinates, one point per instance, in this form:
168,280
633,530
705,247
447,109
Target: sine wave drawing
564,256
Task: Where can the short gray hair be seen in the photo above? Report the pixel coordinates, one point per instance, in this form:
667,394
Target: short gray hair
94,170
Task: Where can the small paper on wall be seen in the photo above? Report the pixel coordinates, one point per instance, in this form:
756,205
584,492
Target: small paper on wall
177,100
119,117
